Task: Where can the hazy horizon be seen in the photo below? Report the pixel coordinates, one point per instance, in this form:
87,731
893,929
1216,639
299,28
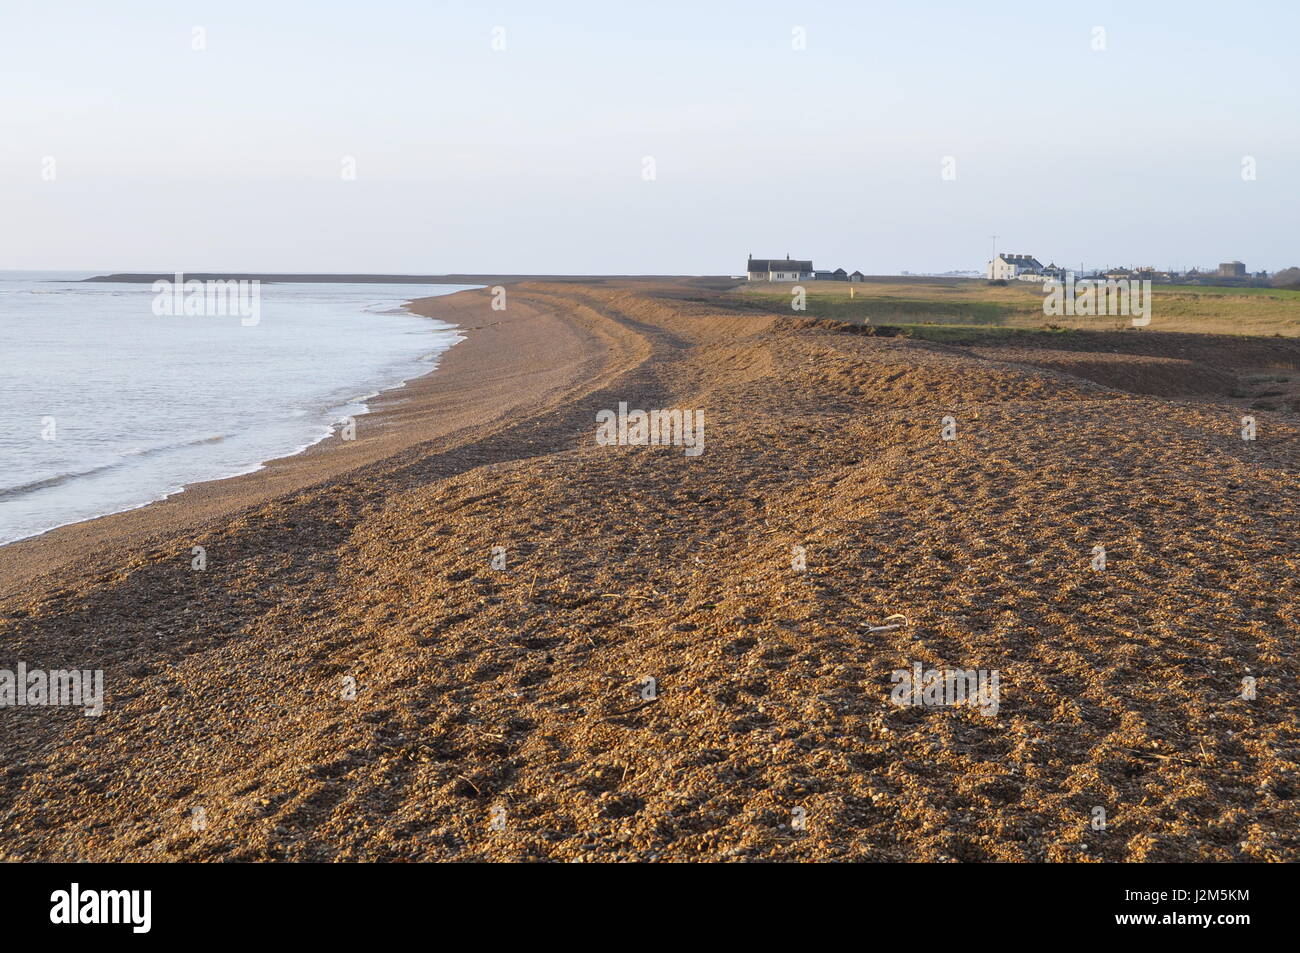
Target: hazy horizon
530,158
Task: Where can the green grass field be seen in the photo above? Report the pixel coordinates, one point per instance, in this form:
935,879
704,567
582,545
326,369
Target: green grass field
973,303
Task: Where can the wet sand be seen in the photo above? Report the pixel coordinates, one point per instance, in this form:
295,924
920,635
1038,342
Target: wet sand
351,678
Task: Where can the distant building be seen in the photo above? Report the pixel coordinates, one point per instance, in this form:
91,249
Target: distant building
839,274
1138,273
1007,267
1232,269
778,269
856,276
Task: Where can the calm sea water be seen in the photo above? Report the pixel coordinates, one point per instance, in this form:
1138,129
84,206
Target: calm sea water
105,406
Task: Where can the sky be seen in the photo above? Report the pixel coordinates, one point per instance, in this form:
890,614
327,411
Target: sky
655,138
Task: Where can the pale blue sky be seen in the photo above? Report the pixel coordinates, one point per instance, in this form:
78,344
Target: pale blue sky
530,159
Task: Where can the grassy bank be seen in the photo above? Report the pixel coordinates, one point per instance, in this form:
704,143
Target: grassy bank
976,303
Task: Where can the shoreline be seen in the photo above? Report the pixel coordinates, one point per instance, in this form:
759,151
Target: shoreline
360,279
397,419
376,654
367,402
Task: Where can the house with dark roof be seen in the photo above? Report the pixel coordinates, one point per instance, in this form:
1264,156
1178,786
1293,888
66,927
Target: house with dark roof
778,269
1007,266
856,276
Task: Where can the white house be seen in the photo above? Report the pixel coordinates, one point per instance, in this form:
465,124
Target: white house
778,269
1007,267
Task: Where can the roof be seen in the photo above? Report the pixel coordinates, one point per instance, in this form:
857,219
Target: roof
1025,261
778,264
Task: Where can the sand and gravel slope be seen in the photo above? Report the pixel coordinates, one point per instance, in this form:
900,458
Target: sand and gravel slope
502,714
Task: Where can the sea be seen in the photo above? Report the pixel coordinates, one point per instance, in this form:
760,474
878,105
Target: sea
108,402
